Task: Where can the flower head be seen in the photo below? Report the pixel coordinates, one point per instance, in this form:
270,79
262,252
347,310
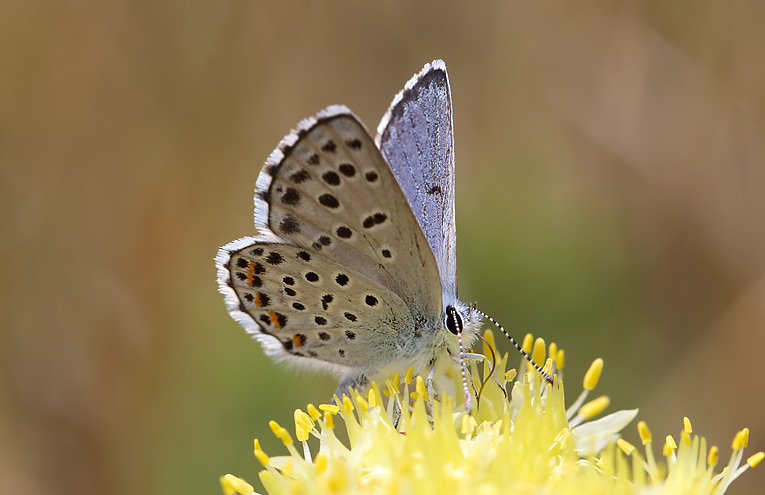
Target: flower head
403,439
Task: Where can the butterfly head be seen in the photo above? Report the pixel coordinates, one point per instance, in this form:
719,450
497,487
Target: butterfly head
462,320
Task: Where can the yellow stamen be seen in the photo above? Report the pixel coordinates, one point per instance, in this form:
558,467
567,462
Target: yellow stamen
322,461
755,459
409,374
669,446
328,420
560,359
594,407
644,432
468,424
260,455
741,439
626,447
362,403
337,481
231,485
395,380
347,404
685,438
275,428
592,376
329,408
547,368
528,340
745,433
420,390
714,454
303,425
687,425
510,375
285,437
538,354
489,336
315,414
552,350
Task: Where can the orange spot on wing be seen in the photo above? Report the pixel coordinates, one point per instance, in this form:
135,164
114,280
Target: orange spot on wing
274,319
296,340
258,300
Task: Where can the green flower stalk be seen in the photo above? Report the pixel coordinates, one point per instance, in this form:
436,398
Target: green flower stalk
517,440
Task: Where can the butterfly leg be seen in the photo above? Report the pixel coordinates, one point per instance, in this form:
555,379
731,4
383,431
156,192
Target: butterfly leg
475,355
432,394
356,382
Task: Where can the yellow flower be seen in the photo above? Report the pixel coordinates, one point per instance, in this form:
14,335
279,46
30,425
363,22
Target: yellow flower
518,440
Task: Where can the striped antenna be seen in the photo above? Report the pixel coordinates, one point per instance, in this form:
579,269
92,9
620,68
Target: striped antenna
538,368
463,365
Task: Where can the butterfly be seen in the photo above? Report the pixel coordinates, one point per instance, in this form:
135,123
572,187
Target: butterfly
353,269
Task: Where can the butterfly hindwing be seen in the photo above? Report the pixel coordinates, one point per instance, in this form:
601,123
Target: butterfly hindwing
416,138
307,306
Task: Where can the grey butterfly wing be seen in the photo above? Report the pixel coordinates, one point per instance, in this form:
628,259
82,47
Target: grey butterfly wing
326,205
302,304
416,138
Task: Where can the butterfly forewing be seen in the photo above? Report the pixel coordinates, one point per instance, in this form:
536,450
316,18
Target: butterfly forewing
331,192
416,138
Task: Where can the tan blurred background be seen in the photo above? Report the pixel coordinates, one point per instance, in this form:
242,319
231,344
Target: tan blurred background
611,196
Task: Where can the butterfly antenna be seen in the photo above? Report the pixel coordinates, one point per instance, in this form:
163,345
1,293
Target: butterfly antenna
538,368
463,366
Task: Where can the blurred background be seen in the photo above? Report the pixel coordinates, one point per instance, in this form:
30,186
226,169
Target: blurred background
611,197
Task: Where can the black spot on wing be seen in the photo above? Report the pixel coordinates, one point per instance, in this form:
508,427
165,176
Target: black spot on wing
300,176
347,169
331,178
329,146
329,201
304,256
289,225
275,258
291,197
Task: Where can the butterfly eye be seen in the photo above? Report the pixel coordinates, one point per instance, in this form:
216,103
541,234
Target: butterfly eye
453,320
